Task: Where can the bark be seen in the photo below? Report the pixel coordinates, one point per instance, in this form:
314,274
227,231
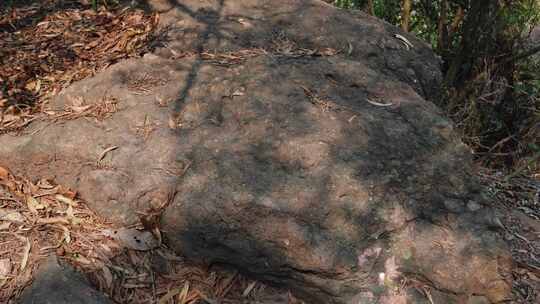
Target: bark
442,44
371,7
458,18
406,15
477,41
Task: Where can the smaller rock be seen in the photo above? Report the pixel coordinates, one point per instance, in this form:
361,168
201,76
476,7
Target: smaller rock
489,218
60,284
133,238
160,264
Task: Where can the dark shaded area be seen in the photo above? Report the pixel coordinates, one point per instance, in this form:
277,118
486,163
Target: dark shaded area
226,217
58,283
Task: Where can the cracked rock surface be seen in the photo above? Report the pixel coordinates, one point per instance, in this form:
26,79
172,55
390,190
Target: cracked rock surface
286,149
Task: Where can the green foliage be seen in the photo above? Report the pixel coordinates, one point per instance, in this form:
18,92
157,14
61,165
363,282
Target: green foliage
388,10
522,15
493,94
95,3
350,4
9,3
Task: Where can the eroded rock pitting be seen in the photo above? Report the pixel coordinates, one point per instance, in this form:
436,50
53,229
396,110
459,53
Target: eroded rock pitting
295,153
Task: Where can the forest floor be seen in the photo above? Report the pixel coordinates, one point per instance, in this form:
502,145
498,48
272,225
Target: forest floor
517,200
45,46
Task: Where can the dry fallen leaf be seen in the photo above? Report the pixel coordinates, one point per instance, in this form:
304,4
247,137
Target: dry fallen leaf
132,238
171,294
81,259
53,220
183,296
5,226
80,109
26,253
5,268
107,275
33,204
248,289
45,184
70,214
11,216
67,234
4,173
66,200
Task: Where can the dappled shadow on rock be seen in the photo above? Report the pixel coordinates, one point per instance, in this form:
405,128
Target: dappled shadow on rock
322,196
314,162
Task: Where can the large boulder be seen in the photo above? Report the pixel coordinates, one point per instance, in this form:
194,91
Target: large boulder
290,140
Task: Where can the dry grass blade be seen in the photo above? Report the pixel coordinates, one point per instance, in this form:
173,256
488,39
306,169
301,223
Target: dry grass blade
65,200
249,289
26,253
170,295
183,296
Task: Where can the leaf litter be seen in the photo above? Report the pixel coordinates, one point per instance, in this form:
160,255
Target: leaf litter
46,45
130,264
517,198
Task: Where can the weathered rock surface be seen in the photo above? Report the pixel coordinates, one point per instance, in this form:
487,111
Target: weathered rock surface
318,163
60,284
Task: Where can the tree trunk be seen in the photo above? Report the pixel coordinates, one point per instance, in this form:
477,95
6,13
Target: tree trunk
371,7
442,42
478,39
458,17
406,15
